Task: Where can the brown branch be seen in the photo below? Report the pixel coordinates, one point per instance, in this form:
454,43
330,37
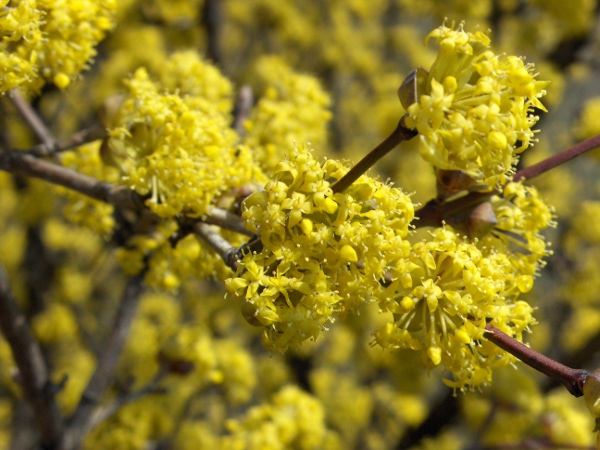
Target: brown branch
572,379
91,134
219,244
81,420
400,133
33,377
23,164
32,119
226,220
434,213
558,159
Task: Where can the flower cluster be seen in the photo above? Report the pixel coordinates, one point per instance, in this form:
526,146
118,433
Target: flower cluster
293,419
323,254
521,215
292,109
92,214
182,156
442,297
49,40
473,110
171,141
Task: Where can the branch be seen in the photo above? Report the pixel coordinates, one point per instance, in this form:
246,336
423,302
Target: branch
400,133
91,134
558,159
226,220
572,379
32,118
219,244
82,419
434,213
34,378
23,164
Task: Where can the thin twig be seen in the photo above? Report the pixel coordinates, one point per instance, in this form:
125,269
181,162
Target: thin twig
81,420
219,244
558,159
572,379
400,134
22,164
226,220
32,118
33,375
91,134
107,411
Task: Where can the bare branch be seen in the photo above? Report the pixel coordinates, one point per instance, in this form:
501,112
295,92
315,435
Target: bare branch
33,371
91,134
401,133
226,220
572,379
33,119
223,248
558,159
23,164
81,420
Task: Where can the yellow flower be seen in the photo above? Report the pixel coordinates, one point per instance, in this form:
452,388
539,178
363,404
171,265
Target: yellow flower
473,110
441,301
50,40
324,253
180,151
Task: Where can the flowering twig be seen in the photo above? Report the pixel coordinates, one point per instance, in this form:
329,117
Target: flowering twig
91,134
572,379
434,213
81,420
32,118
33,375
400,133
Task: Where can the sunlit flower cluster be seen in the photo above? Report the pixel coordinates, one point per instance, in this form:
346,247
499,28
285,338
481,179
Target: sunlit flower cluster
323,254
155,131
179,150
50,41
474,109
443,296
